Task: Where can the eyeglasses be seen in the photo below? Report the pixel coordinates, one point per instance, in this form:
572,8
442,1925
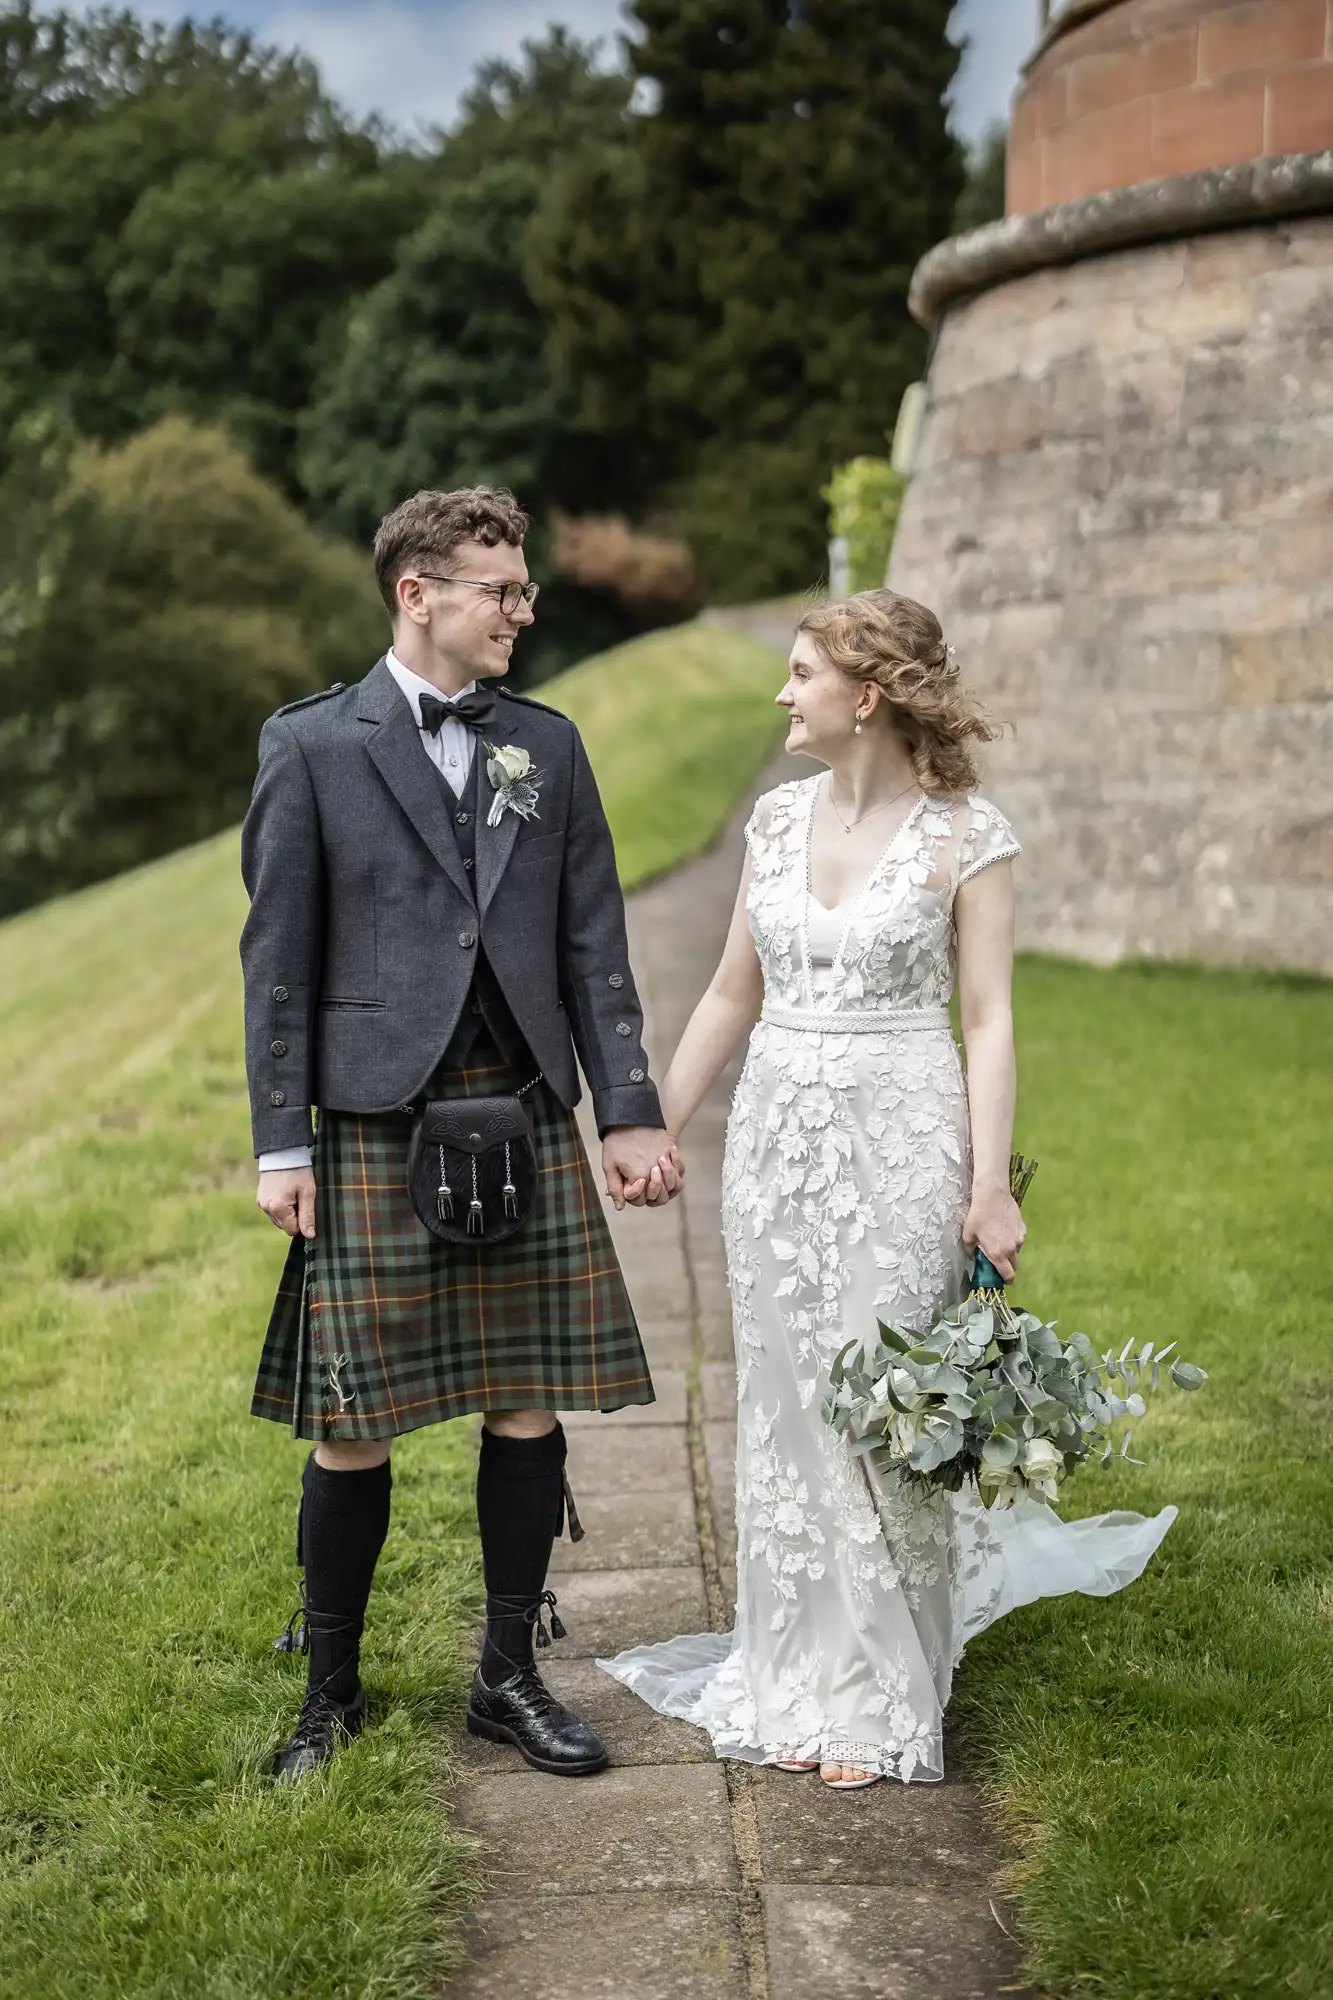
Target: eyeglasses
508,595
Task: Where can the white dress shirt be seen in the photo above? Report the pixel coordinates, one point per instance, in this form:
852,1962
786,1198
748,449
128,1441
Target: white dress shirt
451,751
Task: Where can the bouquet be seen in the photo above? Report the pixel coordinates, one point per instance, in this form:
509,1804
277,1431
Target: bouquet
994,1394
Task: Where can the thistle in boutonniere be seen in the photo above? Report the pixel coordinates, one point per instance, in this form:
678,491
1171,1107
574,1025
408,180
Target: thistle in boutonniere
510,771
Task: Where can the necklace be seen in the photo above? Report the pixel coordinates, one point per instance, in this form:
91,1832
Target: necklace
847,827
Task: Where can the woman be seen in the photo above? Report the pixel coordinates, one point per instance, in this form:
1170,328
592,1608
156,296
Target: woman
860,1170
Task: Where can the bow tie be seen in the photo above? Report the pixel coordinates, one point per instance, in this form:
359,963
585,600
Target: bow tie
473,710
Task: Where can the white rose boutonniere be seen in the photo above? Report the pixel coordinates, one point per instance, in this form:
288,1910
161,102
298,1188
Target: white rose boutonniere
509,768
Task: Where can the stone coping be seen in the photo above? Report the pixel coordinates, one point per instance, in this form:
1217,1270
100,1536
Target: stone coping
1184,205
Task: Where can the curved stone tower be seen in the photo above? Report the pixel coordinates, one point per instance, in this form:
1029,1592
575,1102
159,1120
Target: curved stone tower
1122,499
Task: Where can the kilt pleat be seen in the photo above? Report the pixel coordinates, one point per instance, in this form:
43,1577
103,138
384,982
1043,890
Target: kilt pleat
378,1327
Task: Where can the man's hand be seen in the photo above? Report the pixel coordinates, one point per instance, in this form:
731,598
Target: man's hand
642,1166
288,1199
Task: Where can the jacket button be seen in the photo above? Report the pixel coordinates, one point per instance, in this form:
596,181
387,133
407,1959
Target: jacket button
277,1098
280,993
466,939
461,819
468,864
637,1075
277,1048
337,687
624,1028
616,979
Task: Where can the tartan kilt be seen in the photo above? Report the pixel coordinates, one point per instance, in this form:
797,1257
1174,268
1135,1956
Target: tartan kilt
379,1327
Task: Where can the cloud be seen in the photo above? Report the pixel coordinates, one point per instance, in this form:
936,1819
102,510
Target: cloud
413,63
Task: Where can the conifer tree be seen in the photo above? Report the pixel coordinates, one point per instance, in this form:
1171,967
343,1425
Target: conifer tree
736,301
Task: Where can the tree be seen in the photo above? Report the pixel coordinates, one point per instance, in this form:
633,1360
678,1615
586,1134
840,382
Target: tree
444,375
157,601
983,195
743,315
184,217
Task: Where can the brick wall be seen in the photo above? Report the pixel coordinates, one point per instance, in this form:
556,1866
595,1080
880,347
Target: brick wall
1148,88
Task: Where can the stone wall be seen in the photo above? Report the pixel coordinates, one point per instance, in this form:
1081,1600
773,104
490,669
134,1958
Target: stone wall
1122,510
1136,90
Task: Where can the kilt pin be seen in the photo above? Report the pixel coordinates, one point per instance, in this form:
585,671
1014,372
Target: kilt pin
380,1328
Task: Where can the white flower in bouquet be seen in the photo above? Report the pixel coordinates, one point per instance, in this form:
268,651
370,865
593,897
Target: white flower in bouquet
993,1395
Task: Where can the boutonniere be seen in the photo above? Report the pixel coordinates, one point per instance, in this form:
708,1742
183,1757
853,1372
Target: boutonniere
510,771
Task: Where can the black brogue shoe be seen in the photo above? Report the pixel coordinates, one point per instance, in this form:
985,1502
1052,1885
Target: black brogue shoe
524,1712
325,1723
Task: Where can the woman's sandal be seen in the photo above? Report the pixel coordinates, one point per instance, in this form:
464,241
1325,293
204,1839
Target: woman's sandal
847,1784
795,1764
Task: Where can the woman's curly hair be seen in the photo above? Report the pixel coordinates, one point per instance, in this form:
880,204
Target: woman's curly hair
897,645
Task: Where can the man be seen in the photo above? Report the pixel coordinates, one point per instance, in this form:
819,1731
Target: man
410,937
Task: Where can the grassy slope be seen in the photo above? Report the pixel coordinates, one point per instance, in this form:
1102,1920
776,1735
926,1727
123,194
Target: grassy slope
1165,1757
146,1524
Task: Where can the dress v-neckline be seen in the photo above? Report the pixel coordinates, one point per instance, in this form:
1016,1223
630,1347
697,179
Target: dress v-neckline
849,903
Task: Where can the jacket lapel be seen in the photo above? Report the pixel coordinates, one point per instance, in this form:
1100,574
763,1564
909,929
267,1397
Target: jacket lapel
495,844
394,744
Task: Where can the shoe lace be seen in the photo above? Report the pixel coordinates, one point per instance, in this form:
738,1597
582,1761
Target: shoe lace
319,1711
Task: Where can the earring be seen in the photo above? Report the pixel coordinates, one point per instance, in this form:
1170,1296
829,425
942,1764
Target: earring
857,730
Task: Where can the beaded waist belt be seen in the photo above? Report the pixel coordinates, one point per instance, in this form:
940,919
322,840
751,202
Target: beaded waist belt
888,1021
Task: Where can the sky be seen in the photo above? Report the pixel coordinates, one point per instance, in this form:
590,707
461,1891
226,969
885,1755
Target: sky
411,59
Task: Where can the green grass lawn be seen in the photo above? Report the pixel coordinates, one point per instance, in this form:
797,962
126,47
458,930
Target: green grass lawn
677,724
1164,1759
146,1523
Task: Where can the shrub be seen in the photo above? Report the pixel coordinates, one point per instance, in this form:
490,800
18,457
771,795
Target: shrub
864,497
157,601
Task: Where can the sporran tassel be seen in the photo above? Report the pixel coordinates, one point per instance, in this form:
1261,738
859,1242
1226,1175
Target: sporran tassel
444,1199
476,1221
510,1191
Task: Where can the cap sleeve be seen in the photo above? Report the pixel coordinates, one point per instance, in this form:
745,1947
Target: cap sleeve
987,837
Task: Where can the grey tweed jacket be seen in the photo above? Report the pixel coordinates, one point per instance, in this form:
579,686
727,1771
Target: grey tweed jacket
364,927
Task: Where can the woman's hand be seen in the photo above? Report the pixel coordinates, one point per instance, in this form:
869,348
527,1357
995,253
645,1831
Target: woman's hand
995,1221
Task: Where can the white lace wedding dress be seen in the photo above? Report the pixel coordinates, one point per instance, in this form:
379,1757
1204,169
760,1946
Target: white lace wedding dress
845,1188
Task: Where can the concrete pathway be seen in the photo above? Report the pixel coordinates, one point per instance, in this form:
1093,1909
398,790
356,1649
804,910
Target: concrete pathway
671,1874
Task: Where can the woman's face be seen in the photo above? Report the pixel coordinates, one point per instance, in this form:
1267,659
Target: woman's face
820,701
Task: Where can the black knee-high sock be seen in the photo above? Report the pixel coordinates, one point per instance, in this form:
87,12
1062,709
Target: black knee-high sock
520,1486
344,1519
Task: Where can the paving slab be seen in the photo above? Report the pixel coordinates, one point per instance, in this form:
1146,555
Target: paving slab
884,1944
669,1344
891,1833
671,1406
720,1453
633,1732
607,1611
615,1458
631,1531
670,1946
667,1826
719,1387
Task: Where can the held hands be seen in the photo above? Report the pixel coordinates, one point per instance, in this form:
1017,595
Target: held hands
642,1166
995,1221
287,1198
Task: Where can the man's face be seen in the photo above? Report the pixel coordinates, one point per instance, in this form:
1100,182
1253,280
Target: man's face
464,625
